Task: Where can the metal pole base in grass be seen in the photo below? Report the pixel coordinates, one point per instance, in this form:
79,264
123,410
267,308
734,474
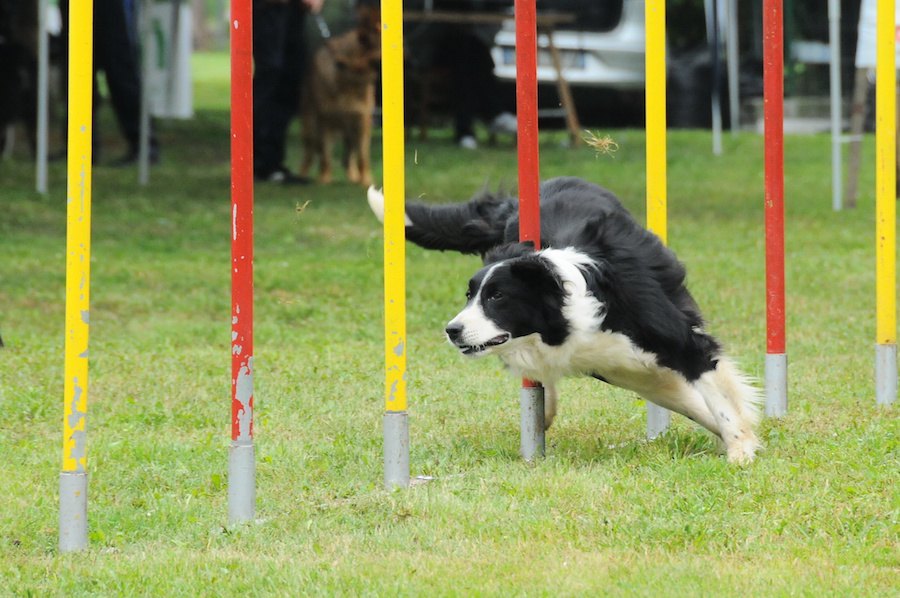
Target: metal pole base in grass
776,384
396,449
531,412
658,419
73,511
885,374
241,483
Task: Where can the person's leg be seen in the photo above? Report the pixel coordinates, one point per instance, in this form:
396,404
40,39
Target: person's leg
486,102
116,54
278,56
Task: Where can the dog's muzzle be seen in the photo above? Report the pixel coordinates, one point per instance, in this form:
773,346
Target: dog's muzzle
455,336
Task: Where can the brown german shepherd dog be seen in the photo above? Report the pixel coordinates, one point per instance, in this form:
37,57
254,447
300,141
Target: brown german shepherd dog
339,96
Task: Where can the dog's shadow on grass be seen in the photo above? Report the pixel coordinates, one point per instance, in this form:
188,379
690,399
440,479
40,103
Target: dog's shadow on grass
583,444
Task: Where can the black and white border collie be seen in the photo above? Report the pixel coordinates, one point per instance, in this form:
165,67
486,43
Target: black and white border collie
603,298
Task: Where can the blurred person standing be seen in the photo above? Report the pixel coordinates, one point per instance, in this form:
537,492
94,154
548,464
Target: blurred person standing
462,51
116,53
279,54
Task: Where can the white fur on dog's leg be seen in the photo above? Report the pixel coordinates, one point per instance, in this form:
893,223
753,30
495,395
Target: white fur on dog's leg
549,405
376,203
733,402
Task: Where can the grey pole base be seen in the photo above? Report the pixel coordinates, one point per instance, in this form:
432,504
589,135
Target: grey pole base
72,511
241,483
531,420
776,385
396,449
885,374
658,419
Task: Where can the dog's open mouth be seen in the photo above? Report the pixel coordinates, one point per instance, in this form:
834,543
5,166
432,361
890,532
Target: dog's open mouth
476,349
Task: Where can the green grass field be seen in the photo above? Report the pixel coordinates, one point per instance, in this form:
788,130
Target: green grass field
606,513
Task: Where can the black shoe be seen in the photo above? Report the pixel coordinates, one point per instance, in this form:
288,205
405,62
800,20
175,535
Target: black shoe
281,176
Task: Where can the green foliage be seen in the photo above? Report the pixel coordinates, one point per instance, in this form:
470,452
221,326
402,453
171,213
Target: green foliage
605,513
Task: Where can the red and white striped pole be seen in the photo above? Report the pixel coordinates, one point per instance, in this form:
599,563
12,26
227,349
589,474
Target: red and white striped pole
531,400
241,459
773,118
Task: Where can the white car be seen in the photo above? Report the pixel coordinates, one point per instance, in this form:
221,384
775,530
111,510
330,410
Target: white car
603,47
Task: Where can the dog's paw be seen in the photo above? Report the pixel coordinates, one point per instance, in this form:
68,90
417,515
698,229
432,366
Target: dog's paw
742,451
376,202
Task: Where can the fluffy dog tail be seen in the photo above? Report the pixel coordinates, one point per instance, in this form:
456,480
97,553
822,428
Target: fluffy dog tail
471,227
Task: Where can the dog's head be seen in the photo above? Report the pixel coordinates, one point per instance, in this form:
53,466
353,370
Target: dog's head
356,54
516,295
368,33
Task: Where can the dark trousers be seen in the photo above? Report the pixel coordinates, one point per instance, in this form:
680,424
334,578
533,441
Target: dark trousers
116,54
279,56
471,68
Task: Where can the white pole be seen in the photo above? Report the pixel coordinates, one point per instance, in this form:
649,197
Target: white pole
834,33
731,39
144,138
658,420
42,100
173,53
712,36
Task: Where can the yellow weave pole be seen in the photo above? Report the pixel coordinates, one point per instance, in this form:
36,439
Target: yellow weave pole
655,89
885,207
396,429
73,479
655,68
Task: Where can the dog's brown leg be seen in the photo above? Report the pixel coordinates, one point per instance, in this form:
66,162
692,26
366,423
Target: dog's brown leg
351,152
364,140
325,149
309,149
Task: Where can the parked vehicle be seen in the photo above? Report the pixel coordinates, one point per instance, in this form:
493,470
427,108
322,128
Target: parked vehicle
602,48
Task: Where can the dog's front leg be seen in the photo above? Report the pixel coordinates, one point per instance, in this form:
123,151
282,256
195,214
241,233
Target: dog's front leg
310,148
364,141
351,144
325,149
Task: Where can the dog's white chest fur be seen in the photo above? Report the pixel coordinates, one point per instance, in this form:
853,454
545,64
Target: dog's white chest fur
609,355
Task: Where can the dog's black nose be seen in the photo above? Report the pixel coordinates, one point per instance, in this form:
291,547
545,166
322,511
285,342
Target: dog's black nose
453,331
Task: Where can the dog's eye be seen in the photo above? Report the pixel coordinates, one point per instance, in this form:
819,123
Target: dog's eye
468,294
495,296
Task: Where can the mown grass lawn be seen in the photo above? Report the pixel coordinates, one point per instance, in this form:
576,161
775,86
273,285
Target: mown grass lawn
605,513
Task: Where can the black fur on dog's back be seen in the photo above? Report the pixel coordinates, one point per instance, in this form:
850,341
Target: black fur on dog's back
640,281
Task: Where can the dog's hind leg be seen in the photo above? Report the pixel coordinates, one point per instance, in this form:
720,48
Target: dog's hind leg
683,398
732,402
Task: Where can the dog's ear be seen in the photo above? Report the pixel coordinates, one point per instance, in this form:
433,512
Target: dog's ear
535,271
508,252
